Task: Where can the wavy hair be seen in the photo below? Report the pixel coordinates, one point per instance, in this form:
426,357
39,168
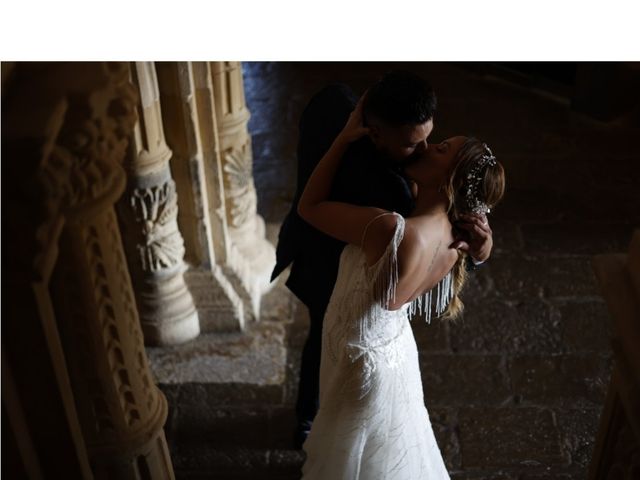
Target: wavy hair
491,192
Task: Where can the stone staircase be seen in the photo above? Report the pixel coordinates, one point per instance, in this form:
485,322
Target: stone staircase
507,398
515,389
231,398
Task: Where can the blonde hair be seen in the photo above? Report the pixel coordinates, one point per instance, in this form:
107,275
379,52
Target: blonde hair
491,192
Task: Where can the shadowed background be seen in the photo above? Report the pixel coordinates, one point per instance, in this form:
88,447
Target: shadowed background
515,388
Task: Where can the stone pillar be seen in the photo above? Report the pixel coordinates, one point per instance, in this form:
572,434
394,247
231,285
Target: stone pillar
252,256
121,410
616,453
148,214
187,107
68,131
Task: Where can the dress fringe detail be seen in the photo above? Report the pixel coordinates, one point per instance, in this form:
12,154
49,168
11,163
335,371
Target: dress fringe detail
435,300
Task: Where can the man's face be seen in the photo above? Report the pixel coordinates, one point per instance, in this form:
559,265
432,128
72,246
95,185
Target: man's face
402,143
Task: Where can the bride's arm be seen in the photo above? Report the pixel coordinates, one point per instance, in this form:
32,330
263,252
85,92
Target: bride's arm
340,220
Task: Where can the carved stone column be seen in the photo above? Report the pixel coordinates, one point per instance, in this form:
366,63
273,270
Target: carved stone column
68,131
616,453
148,214
252,256
187,108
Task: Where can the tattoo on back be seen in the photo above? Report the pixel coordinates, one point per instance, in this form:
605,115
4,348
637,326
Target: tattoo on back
434,256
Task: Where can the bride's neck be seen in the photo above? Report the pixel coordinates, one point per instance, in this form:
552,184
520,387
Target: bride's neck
430,203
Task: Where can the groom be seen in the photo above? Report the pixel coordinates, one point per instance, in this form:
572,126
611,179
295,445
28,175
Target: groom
399,112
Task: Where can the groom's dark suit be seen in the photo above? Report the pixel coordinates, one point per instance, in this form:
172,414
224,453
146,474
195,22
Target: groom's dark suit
364,177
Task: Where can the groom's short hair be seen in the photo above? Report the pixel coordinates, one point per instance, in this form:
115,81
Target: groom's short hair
400,98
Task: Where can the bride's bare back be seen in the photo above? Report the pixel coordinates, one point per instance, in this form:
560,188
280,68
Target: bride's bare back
424,256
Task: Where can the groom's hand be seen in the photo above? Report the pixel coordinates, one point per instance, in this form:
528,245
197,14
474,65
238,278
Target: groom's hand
478,240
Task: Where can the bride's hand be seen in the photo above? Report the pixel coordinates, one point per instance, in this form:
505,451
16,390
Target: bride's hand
354,129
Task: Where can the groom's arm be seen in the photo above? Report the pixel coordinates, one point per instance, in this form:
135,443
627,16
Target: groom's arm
352,180
362,181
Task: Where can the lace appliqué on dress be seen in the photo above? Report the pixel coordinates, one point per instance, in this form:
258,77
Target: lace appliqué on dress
372,422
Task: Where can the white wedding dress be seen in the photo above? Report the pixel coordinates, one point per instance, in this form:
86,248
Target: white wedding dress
372,423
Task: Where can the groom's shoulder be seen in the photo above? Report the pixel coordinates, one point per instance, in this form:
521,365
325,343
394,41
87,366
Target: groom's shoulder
360,158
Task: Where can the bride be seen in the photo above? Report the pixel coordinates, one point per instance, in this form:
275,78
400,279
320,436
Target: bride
372,422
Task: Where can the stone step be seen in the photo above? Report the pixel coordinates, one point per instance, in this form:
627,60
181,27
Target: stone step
240,432
238,442
221,426
199,461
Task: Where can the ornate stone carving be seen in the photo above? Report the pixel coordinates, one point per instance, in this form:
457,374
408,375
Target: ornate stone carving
616,453
70,147
187,109
156,208
241,192
109,327
76,166
250,256
148,215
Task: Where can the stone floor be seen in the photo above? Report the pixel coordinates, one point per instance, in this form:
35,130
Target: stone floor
515,388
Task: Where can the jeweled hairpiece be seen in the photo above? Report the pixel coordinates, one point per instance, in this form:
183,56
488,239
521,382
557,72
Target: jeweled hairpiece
474,180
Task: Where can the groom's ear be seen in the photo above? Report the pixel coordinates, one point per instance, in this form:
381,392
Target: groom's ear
373,124
374,132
